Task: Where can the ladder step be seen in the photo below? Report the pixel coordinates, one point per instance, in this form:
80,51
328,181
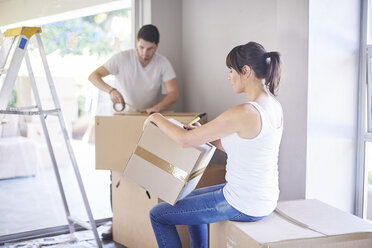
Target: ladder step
18,112
81,223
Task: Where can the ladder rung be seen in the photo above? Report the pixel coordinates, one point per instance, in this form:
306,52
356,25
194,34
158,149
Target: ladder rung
23,108
81,223
17,112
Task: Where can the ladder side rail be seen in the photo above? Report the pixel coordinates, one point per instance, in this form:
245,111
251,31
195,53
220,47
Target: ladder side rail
5,50
15,64
67,140
47,139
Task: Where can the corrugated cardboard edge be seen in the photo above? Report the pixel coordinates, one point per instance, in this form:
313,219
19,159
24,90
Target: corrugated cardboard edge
325,239
130,113
313,242
203,156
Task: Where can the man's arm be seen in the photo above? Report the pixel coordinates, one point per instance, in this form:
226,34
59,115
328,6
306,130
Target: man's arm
96,79
171,97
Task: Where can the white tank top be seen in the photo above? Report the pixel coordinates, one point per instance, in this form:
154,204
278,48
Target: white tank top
252,169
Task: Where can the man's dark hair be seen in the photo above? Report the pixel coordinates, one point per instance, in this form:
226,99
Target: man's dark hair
149,33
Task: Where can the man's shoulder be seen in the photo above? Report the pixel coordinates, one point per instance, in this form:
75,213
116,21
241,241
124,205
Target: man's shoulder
161,58
123,55
126,53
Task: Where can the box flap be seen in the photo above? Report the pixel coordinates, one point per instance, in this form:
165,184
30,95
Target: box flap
116,137
154,140
274,228
200,166
322,217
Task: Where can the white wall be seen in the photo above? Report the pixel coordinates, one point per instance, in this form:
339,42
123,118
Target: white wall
332,101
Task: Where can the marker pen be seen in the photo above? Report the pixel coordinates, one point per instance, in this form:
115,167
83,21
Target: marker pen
197,118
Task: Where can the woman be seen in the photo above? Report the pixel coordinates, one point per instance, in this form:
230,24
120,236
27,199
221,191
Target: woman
250,134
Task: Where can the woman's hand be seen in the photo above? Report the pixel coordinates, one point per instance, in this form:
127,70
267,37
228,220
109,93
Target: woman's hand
193,126
150,119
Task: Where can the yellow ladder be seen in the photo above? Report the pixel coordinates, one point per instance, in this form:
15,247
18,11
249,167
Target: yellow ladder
21,38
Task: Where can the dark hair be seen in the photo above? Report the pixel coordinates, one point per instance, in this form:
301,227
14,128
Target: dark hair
149,33
265,65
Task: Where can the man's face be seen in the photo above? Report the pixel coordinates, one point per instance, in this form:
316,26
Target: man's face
145,49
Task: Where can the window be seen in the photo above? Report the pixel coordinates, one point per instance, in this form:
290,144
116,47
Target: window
74,47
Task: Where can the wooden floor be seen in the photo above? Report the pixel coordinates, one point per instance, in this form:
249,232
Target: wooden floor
79,239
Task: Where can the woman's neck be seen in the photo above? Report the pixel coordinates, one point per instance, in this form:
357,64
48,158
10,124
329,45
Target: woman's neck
254,90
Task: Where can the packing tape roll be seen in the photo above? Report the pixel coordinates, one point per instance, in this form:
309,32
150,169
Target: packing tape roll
118,107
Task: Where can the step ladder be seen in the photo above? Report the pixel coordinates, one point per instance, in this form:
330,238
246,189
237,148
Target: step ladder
21,37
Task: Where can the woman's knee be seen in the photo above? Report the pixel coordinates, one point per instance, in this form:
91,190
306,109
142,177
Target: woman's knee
157,211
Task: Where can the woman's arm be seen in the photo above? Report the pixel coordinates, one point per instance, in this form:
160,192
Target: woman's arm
227,123
217,143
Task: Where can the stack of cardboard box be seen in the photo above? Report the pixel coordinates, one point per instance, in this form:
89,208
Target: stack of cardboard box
117,138
301,223
296,224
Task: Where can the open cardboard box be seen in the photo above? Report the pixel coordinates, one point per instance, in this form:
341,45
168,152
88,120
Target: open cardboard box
117,136
131,206
296,224
165,168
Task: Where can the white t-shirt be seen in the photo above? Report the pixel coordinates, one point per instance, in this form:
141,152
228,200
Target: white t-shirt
252,169
140,86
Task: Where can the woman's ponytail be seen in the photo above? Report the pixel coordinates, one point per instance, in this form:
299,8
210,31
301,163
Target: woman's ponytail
265,65
273,71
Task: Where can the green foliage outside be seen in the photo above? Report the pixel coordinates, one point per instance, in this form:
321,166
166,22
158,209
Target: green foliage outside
95,38
13,99
93,33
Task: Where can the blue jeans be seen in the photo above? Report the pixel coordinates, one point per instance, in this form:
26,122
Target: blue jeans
200,207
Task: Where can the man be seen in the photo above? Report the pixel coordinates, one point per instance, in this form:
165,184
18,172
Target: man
139,75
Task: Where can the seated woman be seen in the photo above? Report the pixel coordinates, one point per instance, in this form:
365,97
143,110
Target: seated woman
250,134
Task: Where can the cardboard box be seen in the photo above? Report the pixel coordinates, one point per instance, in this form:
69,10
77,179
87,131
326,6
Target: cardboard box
117,136
300,224
131,206
164,167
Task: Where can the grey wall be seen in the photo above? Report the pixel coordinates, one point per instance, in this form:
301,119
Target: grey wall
318,41
212,28
167,16
292,35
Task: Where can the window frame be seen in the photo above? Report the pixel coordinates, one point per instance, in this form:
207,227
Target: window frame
369,88
362,135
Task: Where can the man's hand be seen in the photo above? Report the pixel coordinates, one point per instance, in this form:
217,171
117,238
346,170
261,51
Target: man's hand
153,109
116,97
